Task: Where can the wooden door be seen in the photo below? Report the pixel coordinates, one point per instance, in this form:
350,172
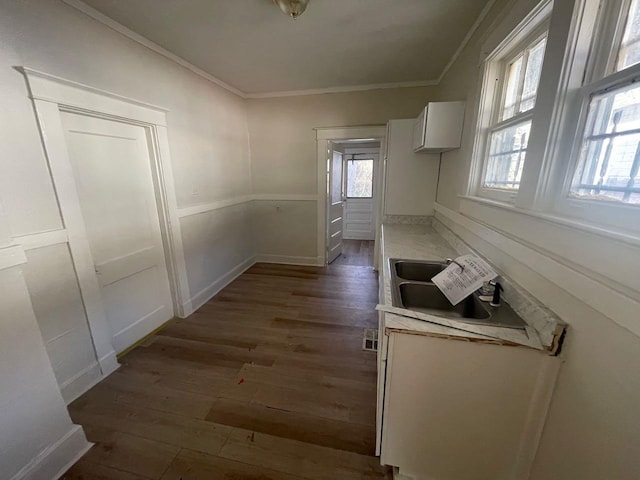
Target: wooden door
112,170
336,204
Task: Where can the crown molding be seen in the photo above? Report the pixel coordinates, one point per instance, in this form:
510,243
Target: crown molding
118,27
344,89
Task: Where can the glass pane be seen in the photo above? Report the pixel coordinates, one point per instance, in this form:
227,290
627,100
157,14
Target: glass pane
336,178
360,178
610,155
514,72
629,53
508,148
532,76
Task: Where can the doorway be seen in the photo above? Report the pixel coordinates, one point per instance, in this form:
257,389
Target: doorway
352,200
109,161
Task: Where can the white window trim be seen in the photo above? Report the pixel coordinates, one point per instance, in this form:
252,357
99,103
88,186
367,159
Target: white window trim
568,142
491,92
373,175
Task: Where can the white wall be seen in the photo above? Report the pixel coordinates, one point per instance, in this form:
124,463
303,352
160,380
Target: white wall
34,417
593,428
208,130
209,144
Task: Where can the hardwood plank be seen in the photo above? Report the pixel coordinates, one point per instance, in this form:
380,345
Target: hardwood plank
334,405
125,390
298,458
268,380
133,454
304,380
295,426
197,466
85,470
171,429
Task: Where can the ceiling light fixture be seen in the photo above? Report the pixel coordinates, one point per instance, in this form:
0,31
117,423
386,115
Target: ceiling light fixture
292,8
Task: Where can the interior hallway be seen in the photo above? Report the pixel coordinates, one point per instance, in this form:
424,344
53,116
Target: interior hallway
268,380
356,252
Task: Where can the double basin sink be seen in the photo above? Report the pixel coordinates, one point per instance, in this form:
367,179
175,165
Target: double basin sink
412,288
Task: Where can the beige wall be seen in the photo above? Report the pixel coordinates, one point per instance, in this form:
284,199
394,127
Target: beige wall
283,154
593,428
283,146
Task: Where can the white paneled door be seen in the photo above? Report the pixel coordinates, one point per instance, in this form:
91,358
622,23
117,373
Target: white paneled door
360,171
113,175
336,204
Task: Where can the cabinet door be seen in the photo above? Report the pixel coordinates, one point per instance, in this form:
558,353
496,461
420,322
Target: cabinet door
463,410
443,125
419,130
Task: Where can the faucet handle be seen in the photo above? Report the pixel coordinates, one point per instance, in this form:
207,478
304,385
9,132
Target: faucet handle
495,302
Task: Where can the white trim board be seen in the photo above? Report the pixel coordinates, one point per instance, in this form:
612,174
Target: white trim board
42,239
290,260
64,92
12,256
145,42
57,458
208,207
610,303
82,382
220,204
210,291
343,89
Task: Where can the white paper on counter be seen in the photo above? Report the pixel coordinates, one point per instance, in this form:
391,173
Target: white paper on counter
457,283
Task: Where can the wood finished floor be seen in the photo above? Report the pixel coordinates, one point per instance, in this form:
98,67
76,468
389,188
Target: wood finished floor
356,252
267,381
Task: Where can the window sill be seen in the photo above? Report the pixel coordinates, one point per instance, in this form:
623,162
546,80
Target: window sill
602,231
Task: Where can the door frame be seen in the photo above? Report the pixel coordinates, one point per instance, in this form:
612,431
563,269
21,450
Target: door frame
336,134
52,95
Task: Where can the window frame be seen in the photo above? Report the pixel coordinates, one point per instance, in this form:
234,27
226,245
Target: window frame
346,176
597,78
530,31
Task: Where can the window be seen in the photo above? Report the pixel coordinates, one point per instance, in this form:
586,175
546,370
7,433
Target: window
608,151
512,76
572,148
359,178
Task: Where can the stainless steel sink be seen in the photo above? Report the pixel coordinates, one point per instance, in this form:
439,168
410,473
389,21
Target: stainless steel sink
412,288
421,271
427,298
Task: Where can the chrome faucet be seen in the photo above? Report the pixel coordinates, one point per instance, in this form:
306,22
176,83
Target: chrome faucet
449,261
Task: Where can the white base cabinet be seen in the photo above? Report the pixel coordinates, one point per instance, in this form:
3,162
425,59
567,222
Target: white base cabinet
461,410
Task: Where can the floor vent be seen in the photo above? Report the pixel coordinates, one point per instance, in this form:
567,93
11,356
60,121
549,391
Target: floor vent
370,340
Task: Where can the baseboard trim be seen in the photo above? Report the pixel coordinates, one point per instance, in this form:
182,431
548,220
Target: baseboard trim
56,459
359,237
81,382
109,363
289,260
144,326
207,293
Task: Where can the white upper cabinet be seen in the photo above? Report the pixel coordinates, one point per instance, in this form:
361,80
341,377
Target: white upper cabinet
438,128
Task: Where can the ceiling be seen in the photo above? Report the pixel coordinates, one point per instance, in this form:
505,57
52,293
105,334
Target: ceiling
252,46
